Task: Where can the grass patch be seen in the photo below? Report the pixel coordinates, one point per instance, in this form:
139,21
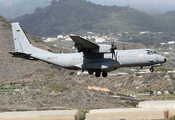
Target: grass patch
8,89
38,70
60,87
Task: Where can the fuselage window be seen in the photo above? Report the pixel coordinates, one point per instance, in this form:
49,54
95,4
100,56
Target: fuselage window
152,52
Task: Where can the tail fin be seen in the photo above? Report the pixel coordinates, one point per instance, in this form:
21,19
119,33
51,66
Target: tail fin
22,43
23,47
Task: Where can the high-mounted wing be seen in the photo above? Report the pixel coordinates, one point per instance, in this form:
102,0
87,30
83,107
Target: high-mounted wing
82,44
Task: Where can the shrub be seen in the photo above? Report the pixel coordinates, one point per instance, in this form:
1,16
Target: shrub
71,73
49,50
38,70
60,87
171,91
149,90
162,69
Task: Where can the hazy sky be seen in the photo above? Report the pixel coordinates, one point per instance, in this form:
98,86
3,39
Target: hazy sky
14,8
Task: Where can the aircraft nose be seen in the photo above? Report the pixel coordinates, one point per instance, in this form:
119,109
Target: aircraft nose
164,59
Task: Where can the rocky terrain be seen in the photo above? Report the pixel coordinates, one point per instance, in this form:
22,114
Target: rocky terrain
71,91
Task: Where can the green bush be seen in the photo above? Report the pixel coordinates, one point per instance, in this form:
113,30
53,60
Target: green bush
173,118
171,91
71,73
162,69
49,50
85,111
149,90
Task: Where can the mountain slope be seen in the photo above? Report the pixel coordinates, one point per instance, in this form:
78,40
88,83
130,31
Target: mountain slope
169,18
79,16
18,67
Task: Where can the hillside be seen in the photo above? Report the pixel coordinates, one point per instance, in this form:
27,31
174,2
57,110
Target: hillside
169,18
17,67
80,16
71,92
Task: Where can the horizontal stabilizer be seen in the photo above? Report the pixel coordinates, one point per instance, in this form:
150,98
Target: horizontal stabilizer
21,55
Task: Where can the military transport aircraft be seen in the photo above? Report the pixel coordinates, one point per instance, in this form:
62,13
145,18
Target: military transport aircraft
90,57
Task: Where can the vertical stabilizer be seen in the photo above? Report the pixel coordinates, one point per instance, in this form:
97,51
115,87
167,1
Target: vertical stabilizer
21,42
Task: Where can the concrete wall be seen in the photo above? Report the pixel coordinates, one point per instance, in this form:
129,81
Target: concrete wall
168,104
147,110
126,113
41,115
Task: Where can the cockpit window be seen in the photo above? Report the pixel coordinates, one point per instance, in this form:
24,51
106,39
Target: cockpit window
151,52
155,52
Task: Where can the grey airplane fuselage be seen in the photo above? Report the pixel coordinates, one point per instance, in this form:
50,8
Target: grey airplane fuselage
103,61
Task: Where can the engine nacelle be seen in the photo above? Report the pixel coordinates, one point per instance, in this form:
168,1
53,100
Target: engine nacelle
102,49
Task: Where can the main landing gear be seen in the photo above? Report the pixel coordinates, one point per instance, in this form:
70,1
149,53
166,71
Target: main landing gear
98,73
151,69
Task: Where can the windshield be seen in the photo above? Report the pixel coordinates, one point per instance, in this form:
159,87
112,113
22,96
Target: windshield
151,52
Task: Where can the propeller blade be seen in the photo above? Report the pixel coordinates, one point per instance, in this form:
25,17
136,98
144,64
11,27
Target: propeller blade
113,48
114,54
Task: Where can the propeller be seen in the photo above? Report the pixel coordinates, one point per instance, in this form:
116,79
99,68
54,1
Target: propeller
113,48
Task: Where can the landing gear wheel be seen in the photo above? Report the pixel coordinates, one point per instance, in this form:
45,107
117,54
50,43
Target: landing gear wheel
91,72
104,74
97,73
151,69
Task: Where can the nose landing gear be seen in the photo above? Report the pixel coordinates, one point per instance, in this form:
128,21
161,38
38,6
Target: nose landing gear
151,69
